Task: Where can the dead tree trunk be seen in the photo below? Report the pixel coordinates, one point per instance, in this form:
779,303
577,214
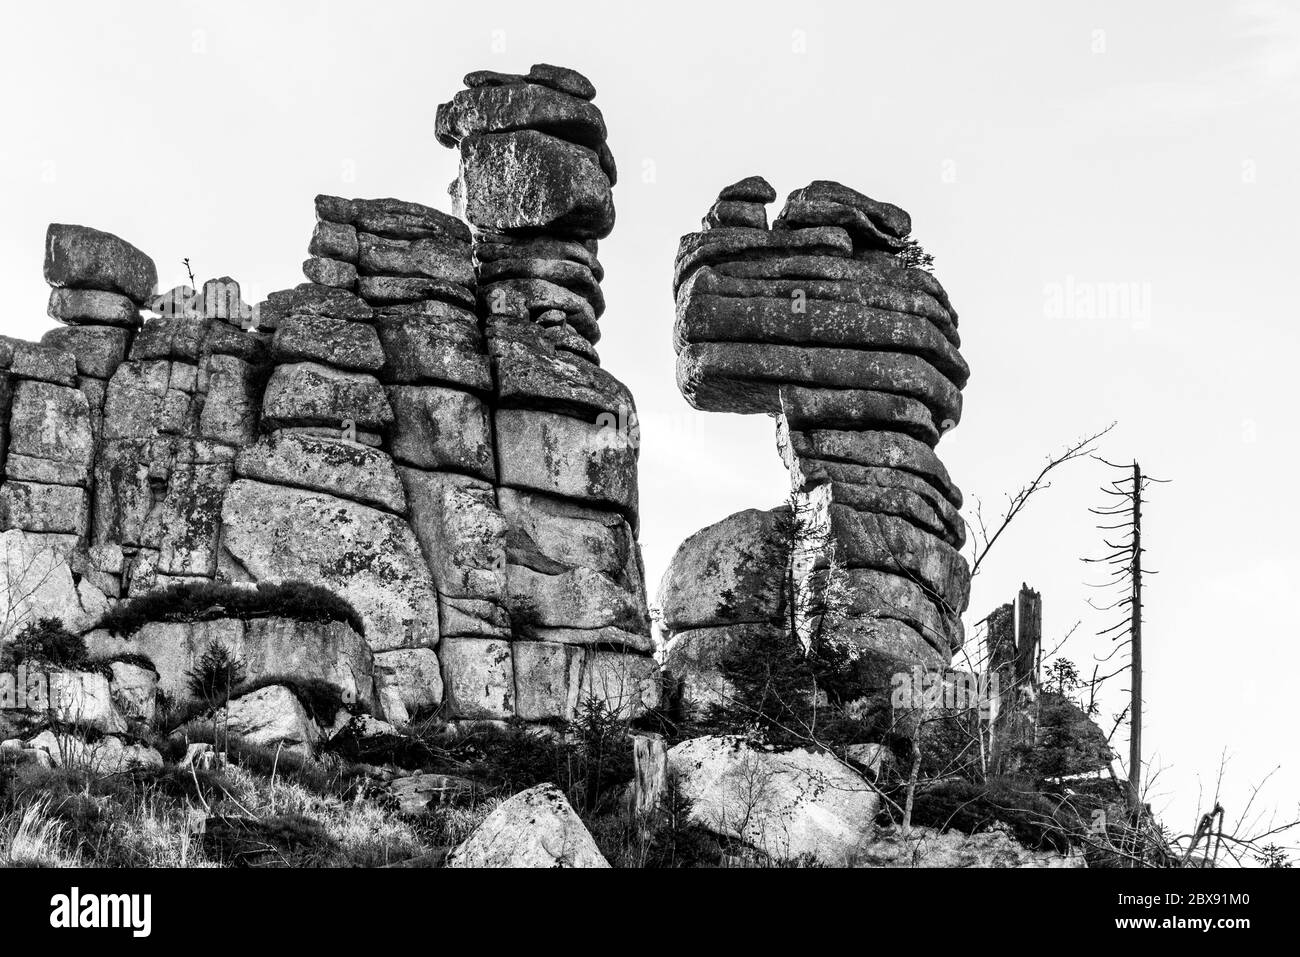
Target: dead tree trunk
1125,559
1015,634
1135,685
650,773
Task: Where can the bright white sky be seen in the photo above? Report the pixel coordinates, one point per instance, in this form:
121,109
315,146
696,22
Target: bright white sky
1041,150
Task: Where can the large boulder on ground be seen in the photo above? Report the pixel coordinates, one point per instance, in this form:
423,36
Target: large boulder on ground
108,754
270,716
535,828
415,793
787,804
80,699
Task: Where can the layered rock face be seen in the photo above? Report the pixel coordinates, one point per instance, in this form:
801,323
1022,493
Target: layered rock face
423,427
819,322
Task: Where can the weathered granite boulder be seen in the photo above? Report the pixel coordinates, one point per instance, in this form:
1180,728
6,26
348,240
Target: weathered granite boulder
731,572
108,754
79,699
548,680
530,179
40,507
325,464
786,804
330,272
519,106
26,360
416,793
335,342
556,77
535,828
461,532
369,557
408,682
98,349
272,716
334,241
78,257
93,307
37,573
394,218
50,435
477,677
307,393
427,258
134,688
433,342
442,428
571,458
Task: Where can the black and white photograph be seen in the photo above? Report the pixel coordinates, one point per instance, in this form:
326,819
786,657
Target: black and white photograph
842,441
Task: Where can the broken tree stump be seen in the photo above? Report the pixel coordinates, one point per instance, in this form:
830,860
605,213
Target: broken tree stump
650,773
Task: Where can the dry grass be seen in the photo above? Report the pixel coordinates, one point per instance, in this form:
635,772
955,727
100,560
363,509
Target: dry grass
34,839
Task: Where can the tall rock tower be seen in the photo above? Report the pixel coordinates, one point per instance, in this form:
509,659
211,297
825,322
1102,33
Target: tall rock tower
535,187
820,322
422,429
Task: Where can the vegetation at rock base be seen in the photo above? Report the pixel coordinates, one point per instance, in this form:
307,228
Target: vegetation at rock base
267,806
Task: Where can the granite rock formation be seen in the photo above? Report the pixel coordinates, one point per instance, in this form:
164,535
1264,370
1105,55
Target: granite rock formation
819,321
422,427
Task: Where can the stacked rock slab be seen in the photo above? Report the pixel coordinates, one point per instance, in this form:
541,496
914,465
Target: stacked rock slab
818,322
54,393
535,186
